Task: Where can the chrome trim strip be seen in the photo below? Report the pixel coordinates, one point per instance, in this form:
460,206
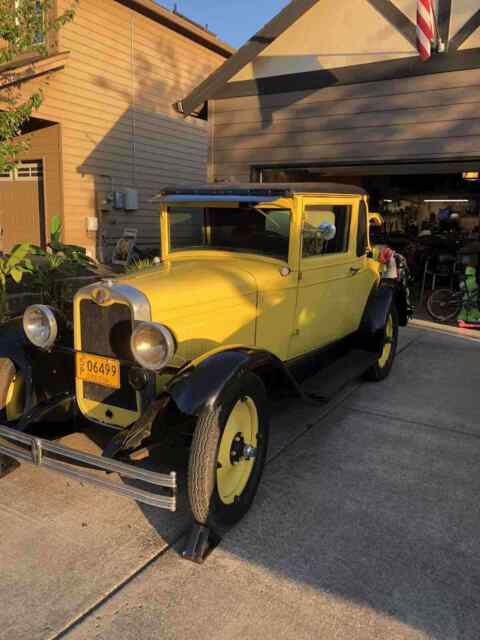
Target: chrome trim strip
136,300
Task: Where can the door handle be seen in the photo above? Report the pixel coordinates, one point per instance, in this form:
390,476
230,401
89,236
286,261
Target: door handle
354,270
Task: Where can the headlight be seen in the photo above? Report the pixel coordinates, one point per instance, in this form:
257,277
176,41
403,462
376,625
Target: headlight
40,326
153,345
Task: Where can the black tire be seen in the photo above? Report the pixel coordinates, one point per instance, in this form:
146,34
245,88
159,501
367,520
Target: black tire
443,305
205,501
379,371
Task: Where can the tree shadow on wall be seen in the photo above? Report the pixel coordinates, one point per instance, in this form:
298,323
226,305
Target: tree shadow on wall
148,146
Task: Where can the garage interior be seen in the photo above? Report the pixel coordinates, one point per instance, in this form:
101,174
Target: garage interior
431,213
410,196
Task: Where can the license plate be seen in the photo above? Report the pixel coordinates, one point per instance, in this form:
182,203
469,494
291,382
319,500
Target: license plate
98,370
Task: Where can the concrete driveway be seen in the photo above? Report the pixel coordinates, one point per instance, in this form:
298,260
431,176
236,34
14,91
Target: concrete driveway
366,526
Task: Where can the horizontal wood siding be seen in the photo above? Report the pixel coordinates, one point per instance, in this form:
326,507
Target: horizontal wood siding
114,101
434,116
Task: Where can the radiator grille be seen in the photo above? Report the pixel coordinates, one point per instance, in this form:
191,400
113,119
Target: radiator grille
106,331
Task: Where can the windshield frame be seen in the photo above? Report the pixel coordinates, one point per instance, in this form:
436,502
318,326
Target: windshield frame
285,204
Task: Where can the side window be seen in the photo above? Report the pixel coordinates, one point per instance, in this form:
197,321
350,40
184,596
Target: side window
316,215
362,233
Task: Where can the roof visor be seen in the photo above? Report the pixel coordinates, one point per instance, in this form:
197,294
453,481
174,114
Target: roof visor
250,192
206,198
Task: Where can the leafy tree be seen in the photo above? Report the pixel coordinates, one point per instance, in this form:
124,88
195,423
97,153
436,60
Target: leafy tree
50,275
25,26
13,267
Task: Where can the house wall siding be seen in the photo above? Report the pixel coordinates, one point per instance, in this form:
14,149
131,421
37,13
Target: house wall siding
433,116
114,101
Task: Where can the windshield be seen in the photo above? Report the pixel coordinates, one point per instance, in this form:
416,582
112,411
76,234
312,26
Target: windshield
246,229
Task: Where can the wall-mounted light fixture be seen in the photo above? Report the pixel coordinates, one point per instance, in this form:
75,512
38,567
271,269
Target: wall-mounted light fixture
471,176
448,200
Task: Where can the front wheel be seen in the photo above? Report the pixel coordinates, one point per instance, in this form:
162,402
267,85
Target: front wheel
228,453
382,367
444,305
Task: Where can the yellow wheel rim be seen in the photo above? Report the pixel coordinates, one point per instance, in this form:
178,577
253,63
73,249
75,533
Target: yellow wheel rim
233,469
387,347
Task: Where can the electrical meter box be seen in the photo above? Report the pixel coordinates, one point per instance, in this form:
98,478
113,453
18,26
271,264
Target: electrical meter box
131,200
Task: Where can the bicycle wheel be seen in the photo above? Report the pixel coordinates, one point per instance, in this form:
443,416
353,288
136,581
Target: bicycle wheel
444,304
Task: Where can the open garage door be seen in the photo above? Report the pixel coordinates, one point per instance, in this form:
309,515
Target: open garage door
406,193
22,205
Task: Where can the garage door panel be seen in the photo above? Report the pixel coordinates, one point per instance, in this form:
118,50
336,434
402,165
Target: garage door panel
21,205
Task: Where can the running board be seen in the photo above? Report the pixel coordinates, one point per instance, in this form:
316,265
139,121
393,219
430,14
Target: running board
327,382
38,452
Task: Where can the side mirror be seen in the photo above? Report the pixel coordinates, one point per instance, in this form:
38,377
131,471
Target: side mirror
327,231
375,219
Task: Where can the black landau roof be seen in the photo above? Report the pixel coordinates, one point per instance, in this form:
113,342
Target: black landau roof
256,189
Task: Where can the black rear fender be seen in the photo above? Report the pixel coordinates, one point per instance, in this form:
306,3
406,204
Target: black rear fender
201,382
379,304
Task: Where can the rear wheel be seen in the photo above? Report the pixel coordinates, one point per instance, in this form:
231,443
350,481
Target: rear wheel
228,453
444,305
382,367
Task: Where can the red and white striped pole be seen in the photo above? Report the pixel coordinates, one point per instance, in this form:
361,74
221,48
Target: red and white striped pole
425,28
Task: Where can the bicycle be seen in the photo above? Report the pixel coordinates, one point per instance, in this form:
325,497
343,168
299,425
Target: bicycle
444,305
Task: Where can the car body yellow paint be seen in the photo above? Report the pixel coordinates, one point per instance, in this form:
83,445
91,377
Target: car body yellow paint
375,219
212,299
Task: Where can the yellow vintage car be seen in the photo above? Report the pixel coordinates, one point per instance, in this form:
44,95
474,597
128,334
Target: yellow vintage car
257,287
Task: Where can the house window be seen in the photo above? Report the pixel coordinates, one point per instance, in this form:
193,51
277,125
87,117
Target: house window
24,171
6,176
39,38
28,171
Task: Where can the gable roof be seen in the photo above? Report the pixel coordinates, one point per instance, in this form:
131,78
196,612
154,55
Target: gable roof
257,43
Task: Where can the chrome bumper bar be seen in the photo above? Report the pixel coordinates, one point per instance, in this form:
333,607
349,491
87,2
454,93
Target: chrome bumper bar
39,452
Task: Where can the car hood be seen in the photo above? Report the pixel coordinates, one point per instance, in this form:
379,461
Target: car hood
182,283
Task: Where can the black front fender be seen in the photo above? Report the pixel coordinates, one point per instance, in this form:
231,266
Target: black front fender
13,345
46,374
201,382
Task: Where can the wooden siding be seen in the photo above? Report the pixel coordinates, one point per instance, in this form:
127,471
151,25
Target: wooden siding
416,118
331,34
114,101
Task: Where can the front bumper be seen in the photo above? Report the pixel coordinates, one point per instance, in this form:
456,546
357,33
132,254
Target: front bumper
77,464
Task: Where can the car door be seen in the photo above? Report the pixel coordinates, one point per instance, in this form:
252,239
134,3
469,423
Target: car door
364,274
327,269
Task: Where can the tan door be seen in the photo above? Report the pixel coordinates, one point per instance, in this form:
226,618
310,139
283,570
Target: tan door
22,214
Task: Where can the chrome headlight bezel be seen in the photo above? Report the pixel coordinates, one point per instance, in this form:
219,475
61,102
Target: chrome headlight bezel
49,315
164,334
